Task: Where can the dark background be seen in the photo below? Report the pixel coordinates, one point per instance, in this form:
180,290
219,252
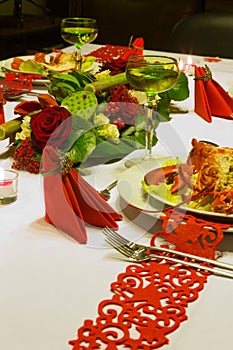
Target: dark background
39,30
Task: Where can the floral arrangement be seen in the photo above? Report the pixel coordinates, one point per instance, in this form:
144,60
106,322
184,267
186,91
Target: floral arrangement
45,121
89,117
39,121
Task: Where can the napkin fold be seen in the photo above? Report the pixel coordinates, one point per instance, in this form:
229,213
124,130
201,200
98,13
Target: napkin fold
210,97
71,202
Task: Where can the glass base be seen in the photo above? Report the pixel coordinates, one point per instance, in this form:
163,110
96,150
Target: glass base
134,161
8,199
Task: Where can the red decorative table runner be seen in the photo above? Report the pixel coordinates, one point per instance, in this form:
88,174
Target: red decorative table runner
149,302
150,299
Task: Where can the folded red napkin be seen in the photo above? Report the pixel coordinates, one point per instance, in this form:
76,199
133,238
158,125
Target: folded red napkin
210,98
70,201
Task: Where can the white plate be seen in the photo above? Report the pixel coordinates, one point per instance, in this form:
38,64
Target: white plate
130,189
7,65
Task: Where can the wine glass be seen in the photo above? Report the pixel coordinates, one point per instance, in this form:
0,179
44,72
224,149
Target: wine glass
152,75
79,31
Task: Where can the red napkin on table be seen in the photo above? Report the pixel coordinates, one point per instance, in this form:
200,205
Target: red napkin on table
210,98
70,201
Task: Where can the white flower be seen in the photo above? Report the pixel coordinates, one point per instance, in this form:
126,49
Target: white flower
25,129
108,132
100,119
102,75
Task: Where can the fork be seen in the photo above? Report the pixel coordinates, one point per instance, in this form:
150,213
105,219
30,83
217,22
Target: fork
138,253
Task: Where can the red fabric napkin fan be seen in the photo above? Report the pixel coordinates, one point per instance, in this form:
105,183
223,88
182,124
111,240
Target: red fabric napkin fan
210,98
70,201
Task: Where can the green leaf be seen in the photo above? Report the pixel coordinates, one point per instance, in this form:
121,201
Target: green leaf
83,147
79,123
181,90
163,110
163,114
79,127
109,151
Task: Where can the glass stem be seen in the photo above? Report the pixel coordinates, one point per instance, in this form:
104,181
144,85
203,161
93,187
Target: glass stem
150,123
78,59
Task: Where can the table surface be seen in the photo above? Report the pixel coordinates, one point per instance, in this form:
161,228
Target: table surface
51,284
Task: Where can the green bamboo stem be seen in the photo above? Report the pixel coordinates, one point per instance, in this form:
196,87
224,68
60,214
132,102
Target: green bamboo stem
8,129
98,86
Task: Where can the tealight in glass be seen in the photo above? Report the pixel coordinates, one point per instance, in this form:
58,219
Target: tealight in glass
8,186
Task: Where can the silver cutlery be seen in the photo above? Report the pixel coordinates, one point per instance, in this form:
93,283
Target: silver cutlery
10,96
138,253
106,191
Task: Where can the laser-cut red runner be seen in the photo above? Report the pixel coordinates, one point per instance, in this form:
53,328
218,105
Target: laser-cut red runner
150,299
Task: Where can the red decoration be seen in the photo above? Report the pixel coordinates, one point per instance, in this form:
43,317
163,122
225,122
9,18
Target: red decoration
190,234
25,158
110,53
71,202
17,82
212,59
149,301
114,58
210,97
26,107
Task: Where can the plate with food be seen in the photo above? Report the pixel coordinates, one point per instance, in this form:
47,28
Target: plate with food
39,65
203,186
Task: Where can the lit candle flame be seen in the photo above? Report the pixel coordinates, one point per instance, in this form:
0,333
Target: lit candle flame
181,65
189,60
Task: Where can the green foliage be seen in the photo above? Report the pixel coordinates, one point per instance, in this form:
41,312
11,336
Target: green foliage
90,142
83,147
178,93
63,85
82,102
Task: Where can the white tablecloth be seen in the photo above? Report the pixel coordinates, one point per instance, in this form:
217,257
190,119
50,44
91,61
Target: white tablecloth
50,284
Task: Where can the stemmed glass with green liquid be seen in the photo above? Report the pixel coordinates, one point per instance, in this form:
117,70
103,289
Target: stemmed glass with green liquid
79,31
152,75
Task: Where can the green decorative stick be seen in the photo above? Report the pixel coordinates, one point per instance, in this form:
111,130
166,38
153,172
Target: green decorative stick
8,129
106,84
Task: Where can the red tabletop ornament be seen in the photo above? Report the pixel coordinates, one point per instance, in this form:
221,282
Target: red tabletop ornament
116,52
150,299
17,82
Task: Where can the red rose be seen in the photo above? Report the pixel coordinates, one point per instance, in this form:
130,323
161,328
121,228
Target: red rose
44,123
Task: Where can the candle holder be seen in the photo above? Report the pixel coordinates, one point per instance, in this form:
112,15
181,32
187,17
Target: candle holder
188,66
8,186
